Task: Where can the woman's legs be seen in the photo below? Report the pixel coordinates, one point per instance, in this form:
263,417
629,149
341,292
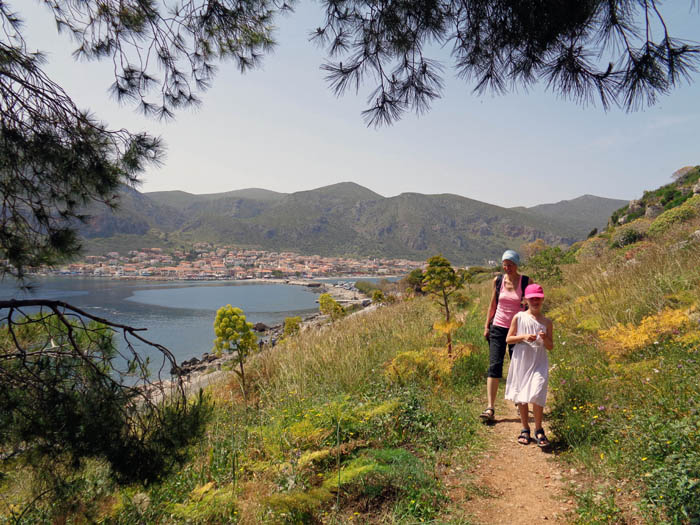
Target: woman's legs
497,351
491,390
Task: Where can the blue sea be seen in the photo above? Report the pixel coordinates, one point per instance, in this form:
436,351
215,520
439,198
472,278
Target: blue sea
178,315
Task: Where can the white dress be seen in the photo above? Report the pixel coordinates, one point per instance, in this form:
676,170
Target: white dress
529,367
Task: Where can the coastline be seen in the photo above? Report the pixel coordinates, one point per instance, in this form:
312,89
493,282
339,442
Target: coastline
198,373
319,285
199,368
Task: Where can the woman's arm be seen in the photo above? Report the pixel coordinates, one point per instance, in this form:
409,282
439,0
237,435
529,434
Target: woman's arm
492,309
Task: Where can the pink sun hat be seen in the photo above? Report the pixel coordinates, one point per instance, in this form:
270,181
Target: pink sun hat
533,290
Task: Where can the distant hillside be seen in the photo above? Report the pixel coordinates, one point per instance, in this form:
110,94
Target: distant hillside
137,214
654,202
181,198
347,219
583,213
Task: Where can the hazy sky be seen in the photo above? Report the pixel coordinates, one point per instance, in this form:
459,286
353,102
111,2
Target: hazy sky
281,128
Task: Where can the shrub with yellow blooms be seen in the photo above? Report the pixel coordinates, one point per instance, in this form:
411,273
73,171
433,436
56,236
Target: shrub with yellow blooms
622,339
234,334
429,365
441,280
330,307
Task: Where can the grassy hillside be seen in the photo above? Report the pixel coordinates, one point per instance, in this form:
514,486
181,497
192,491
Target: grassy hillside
342,421
625,385
654,202
355,421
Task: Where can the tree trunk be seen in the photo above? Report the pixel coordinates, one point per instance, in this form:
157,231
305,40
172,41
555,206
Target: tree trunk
242,375
447,320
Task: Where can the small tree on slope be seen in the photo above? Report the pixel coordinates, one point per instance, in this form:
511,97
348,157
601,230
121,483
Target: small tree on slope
441,280
234,334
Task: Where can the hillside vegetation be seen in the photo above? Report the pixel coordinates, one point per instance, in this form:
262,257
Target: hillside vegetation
358,420
344,219
625,386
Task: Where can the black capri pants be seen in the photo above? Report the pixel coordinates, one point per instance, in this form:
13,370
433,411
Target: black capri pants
497,350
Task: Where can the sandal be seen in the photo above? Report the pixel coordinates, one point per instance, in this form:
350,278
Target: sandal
524,437
542,440
488,414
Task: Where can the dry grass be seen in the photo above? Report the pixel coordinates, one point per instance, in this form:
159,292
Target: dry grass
624,286
349,354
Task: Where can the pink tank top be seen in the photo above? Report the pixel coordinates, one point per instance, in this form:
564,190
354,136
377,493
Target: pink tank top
508,304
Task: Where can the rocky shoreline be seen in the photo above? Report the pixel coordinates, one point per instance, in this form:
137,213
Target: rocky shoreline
270,335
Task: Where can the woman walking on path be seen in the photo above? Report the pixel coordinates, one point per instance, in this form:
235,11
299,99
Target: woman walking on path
528,374
506,301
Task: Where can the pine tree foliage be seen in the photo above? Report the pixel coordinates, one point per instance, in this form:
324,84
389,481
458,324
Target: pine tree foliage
67,392
54,159
616,52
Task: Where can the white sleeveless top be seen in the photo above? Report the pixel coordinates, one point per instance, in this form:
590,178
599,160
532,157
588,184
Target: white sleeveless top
528,373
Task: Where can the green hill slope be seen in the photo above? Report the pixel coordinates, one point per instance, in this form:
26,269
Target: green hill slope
348,219
585,213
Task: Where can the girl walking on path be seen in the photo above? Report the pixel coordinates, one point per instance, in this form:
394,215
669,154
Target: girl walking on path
531,332
506,301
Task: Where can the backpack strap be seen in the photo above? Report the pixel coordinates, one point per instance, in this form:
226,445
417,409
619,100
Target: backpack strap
524,281
499,282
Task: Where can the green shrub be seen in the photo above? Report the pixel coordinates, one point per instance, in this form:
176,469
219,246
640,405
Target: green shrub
689,209
470,370
544,266
378,297
330,307
380,474
677,200
670,217
592,248
206,504
366,288
626,235
291,325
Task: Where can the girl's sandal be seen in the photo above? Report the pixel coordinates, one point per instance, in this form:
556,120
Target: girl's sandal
542,440
524,437
488,414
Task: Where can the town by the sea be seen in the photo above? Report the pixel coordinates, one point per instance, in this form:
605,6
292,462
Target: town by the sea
176,314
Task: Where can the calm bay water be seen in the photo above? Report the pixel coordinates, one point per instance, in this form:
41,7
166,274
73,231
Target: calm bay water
178,315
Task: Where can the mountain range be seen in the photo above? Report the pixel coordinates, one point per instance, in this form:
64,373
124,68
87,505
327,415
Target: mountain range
342,219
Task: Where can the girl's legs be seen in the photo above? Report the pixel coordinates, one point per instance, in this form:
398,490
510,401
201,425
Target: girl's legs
537,412
524,437
524,416
540,437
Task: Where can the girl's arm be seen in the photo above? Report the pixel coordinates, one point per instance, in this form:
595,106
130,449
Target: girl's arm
512,338
492,309
548,336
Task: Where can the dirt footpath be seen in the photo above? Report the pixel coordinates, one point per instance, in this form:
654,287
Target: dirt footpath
513,483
